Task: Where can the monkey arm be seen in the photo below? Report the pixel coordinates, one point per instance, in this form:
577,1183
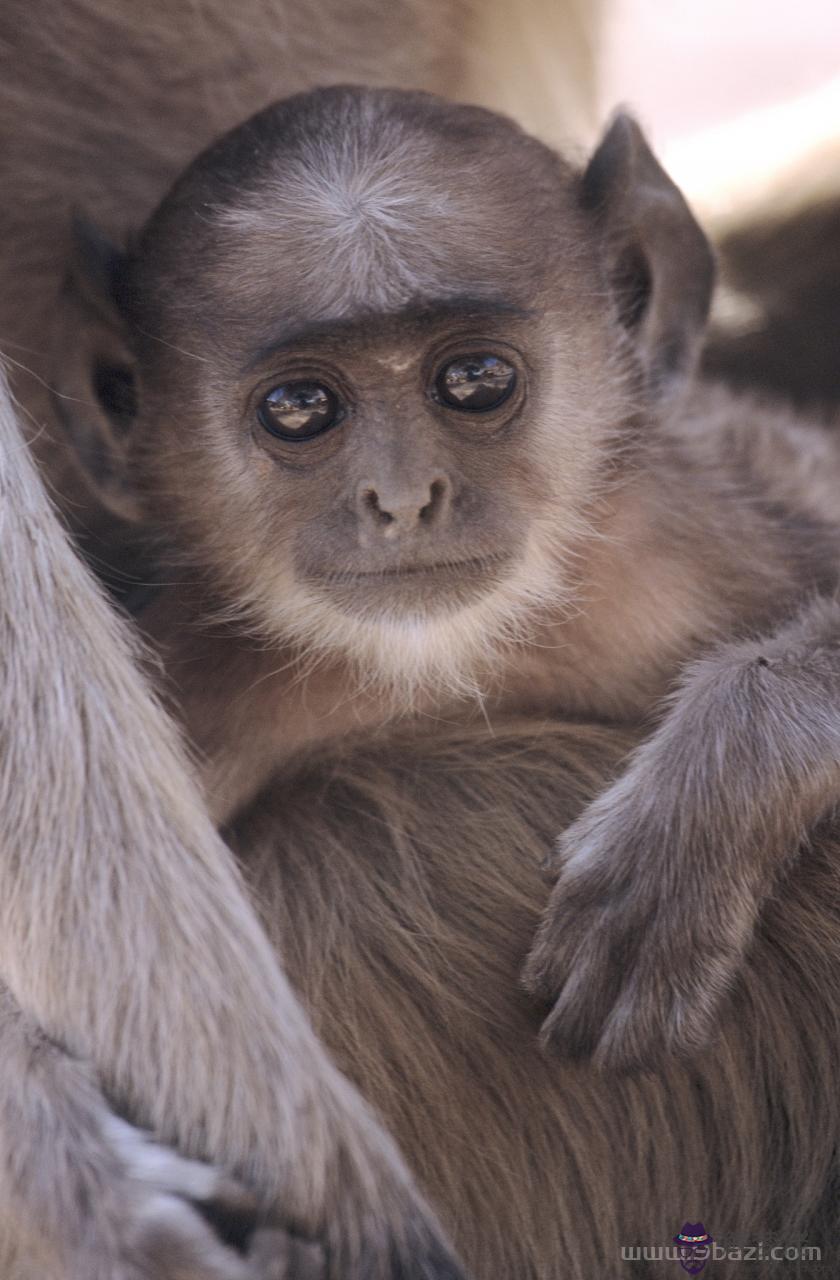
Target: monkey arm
662,878
126,934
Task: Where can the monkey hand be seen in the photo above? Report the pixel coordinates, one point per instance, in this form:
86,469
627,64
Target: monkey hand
643,934
175,1217
180,1219
84,1195
122,1207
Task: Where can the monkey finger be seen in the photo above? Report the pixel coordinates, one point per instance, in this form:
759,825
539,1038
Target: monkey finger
175,1242
628,990
277,1255
579,917
670,1006
584,999
192,1218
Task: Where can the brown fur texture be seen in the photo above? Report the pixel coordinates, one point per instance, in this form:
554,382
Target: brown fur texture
402,885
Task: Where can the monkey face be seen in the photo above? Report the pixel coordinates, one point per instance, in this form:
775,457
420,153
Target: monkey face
382,374
388,449
403,456
402,488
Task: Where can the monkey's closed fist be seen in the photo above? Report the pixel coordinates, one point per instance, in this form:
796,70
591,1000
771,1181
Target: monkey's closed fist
637,947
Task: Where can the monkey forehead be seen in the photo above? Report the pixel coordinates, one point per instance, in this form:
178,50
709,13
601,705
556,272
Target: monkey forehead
323,247
350,199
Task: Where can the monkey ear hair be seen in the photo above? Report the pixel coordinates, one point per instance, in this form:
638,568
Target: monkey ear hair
93,369
659,262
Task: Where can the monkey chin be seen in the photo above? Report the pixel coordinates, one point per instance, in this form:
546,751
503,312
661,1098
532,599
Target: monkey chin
410,656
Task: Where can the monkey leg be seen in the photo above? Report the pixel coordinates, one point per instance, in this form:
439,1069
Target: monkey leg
661,880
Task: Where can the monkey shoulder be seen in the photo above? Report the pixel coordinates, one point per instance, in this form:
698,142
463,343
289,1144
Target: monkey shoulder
762,445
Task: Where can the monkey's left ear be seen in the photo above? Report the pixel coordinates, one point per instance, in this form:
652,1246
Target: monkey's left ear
659,262
93,377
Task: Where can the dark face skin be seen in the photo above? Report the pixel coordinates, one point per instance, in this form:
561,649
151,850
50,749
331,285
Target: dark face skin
369,474
394,499
365,397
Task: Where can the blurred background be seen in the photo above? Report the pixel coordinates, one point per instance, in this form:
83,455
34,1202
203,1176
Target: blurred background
733,92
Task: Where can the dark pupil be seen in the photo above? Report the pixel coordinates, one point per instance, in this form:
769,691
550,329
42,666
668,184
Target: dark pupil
298,410
476,382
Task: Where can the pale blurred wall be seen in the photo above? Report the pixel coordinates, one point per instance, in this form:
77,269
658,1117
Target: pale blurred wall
730,91
539,61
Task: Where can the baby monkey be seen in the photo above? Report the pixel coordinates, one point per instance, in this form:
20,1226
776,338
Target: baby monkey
410,401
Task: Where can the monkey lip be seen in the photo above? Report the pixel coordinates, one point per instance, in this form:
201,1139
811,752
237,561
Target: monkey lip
438,569
445,584
474,569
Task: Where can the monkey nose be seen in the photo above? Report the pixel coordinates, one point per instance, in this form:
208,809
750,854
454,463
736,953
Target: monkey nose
397,512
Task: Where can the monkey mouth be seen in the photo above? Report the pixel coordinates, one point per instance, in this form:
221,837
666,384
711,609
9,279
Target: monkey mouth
441,569
440,586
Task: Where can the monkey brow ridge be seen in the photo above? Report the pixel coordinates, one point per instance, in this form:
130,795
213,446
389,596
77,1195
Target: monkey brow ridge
423,314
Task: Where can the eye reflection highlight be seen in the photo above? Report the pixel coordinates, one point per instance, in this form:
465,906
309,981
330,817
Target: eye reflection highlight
475,383
299,410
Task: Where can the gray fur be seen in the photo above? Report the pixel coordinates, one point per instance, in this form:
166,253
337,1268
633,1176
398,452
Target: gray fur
112,877
83,1194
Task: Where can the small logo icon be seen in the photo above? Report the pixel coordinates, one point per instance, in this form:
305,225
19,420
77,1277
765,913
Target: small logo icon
694,1246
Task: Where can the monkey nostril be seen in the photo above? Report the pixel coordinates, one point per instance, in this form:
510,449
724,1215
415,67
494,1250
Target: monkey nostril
405,511
432,507
371,500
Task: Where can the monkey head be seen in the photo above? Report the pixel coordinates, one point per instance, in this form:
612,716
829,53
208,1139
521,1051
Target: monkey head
373,363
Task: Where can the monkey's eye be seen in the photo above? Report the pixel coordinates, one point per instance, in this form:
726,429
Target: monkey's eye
475,383
299,410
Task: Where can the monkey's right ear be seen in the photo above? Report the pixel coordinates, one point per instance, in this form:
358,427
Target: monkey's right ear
659,262
94,387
